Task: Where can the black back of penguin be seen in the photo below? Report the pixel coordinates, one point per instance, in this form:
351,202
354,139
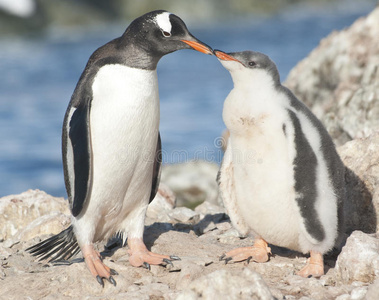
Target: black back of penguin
335,167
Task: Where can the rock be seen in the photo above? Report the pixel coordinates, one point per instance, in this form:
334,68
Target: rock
373,290
189,272
184,215
361,157
18,211
211,222
339,80
193,182
359,259
229,236
211,217
358,293
45,225
247,285
209,208
343,297
5,252
53,223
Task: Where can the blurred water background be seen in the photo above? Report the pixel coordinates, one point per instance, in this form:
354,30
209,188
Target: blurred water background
45,46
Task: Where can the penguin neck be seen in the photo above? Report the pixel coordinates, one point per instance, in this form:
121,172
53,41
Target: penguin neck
257,90
253,81
137,53
140,58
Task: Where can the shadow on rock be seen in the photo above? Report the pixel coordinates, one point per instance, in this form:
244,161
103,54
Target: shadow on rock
151,234
360,213
209,222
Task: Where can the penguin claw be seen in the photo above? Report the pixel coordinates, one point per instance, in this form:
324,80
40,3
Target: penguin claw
168,262
113,272
100,280
146,266
228,259
111,280
174,257
225,258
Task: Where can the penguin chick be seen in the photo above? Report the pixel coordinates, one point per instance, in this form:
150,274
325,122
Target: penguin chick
111,143
281,178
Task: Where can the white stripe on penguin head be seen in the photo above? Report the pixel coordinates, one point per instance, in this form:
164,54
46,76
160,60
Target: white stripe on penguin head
163,21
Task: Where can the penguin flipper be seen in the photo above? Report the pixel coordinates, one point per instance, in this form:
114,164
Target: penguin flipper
156,169
77,156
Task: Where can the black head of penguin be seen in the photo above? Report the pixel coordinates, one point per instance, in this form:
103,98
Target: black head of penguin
158,33
249,60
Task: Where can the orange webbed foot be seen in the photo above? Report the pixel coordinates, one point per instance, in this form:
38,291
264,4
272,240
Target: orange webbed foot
140,256
314,266
259,252
97,268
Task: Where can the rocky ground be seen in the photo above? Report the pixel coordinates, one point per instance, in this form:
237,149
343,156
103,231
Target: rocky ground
198,236
339,80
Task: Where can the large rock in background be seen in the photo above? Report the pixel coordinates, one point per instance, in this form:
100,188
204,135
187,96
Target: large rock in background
193,182
339,80
32,213
359,259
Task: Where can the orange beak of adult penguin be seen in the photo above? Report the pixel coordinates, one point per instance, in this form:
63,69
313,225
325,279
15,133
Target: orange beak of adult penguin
223,56
199,46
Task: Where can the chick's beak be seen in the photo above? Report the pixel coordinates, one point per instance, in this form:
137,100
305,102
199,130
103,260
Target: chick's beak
223,56
199,46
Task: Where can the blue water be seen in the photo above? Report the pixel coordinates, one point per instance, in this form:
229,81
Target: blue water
38,76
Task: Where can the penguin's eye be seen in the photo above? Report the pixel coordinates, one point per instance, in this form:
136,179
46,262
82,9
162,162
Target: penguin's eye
166,34
252,63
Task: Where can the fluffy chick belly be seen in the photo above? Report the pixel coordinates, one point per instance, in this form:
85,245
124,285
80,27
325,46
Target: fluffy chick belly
266,197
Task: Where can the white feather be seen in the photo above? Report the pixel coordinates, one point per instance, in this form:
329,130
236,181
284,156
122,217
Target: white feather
124,122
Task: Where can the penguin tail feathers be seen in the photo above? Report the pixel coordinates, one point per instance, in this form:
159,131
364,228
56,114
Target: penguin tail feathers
59,247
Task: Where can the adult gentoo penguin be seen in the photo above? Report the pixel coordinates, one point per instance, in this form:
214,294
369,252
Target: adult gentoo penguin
281,178
111,143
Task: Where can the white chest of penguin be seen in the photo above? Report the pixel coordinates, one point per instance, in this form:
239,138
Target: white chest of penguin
124,127
263,164
120,91
125,106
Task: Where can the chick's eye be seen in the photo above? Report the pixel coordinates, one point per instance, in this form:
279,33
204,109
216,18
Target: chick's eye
166,33
252,63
